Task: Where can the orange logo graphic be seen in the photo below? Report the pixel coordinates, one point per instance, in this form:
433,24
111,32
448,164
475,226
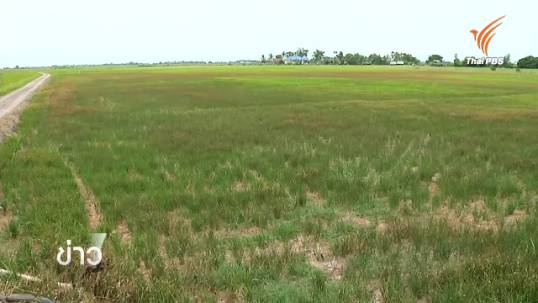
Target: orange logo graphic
483,38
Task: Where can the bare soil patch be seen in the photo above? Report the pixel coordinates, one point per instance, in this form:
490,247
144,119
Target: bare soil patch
315,198
8,124
356,220
319,255
517,216
179,222
382,227
171,262
375,287
229,297
5,215
242,232
90,201
5,218
122,229
239,186
145,272
475,216
434,185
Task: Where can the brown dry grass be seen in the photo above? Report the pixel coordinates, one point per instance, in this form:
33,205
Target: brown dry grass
145,272
356,220
242,232
8,124
5,214
315,198
239,186
474,216
318,254
517,216
5,218
122,230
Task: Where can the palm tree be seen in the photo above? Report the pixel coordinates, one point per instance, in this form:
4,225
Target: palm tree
318,56
302,52
339,56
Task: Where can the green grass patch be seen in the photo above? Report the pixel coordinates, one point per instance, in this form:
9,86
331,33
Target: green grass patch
13,79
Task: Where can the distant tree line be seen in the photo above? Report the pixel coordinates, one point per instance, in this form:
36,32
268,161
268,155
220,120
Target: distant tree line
300,56
528,62
340,58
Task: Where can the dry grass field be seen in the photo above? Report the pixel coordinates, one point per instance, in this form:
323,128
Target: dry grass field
277,184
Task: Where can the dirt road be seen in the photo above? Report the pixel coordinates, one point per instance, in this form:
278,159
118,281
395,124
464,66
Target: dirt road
10,104
11,101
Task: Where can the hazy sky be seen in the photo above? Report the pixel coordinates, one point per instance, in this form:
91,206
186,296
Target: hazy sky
39,32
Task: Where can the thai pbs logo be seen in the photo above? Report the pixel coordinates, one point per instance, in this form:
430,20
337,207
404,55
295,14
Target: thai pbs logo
483,39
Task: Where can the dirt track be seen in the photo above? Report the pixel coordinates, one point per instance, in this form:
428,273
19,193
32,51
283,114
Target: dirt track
10,104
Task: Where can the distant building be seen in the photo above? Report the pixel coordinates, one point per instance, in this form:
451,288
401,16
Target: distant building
397,63
296,59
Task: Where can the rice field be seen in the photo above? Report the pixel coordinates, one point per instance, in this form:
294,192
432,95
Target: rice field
277,184
13,79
